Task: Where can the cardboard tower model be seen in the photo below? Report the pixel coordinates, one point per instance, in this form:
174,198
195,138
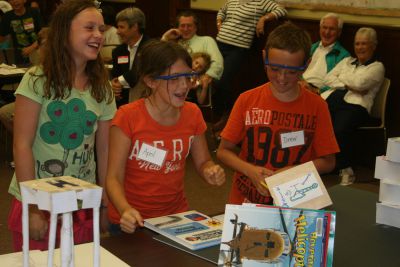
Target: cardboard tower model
61,195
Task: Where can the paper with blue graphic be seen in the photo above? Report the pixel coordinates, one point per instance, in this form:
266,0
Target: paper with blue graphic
299,187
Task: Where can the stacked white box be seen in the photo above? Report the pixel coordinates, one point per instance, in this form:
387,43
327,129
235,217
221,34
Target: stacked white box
387,169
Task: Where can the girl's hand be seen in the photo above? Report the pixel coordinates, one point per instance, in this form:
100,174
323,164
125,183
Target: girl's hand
214,175
38,223
257,176
130,219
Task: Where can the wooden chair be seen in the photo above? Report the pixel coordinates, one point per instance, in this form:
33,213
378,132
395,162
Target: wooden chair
370,140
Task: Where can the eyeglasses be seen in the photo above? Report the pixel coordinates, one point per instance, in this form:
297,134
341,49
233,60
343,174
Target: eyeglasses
190,78
291,70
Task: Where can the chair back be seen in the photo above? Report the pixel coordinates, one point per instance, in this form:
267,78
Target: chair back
106,52
378,109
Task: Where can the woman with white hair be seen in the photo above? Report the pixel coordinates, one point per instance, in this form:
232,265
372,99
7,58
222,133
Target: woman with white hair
352,86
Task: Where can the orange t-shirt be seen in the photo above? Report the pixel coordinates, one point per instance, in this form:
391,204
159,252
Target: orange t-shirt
156,191
258,120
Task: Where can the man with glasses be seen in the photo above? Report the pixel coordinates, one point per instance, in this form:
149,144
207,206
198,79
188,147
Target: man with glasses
278,124
325,54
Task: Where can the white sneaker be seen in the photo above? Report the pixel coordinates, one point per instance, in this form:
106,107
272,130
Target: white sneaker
348,176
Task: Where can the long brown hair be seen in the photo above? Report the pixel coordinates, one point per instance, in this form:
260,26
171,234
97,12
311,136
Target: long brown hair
58,64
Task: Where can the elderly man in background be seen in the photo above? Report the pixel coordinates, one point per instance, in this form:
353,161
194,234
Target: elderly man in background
351,88
131,24
325,53
186,35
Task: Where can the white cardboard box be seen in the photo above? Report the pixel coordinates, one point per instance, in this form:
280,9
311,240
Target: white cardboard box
385,169
388,214
393,149
389,192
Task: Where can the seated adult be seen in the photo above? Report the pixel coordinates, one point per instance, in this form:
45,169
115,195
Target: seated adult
186,35
326,53
350,91
131,23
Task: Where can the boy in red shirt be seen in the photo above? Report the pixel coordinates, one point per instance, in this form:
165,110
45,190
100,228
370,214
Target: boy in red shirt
279,124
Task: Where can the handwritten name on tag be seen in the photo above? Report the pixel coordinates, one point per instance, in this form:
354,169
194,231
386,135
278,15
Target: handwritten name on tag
123,59
292,139
152,154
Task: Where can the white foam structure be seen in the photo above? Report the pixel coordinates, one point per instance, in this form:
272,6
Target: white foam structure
387,169
393,149
60,196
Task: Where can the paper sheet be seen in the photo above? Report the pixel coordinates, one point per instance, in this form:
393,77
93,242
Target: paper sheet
83,258
10,70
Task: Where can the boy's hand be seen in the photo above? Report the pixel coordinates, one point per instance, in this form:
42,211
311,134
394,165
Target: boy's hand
130,219
26,51
214,175
38,223
257,176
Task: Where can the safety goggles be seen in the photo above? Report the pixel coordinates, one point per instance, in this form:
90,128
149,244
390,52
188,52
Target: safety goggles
280,67
190,77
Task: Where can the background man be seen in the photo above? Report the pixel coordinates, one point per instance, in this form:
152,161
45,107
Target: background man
23,24
186,35
131,24
327,52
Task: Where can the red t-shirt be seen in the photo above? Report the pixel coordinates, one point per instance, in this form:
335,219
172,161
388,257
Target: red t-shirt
258,119
156,191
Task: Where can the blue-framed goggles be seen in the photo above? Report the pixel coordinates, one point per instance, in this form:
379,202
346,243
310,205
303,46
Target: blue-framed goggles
189,75
296,68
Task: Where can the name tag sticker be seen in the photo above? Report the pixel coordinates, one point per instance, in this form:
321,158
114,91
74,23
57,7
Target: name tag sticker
28,26
152,154
123,59
292,139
